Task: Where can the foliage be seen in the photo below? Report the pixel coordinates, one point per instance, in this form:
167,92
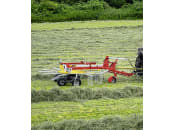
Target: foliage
91,5
134,122
48,5
54,11
116,3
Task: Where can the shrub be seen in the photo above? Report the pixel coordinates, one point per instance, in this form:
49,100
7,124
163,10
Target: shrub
63,8
92,5
52,11
116,3
49,5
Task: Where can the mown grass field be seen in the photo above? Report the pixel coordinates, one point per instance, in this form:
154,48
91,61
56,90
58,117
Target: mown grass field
92,41
121,82
92,109
85,24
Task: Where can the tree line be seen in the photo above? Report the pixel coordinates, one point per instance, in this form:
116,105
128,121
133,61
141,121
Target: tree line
69,10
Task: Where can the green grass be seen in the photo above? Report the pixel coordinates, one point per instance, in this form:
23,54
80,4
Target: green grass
58,111
90,44
42,84
122,82
132,122
85,24
93,41
90,40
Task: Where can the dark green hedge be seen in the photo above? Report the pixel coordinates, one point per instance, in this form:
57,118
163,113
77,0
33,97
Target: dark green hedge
77,93
133,122
52,11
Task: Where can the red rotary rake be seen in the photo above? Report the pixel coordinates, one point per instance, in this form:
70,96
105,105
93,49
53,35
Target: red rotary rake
107,65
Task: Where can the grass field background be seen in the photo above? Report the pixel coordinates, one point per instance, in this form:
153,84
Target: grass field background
92,109
92,41
85,24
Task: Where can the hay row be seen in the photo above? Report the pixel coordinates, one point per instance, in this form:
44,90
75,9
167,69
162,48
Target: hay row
77,93
133,122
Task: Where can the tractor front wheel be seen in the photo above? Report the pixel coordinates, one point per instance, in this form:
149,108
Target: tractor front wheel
112,79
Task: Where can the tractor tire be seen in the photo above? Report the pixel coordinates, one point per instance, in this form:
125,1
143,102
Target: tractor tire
61,82
112,79
76,82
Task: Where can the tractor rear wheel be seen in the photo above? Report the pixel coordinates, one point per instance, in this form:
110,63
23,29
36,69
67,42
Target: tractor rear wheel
112,79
